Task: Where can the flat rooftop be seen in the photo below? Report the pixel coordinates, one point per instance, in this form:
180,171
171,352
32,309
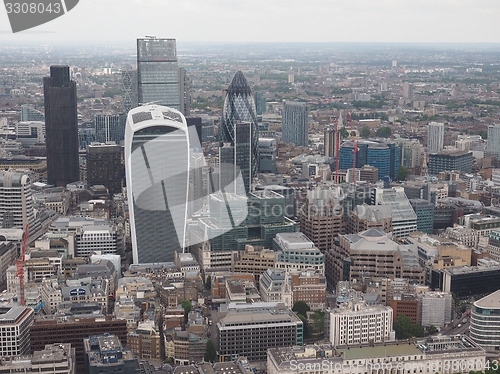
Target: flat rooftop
492,301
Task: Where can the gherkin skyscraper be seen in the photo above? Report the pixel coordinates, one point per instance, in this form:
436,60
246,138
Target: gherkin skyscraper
239,113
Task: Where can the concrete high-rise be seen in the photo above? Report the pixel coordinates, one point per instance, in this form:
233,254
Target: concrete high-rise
61,127
295,123
239,111
435,136
160,80
493,144
157,173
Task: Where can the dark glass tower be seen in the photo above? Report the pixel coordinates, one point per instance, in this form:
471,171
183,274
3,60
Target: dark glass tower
61,127
239,110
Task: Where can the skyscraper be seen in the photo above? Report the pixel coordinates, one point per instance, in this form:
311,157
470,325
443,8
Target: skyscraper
104,166
493,144
157,166
295,123
61,126
129,87
239,110
435,136
110,127
160,80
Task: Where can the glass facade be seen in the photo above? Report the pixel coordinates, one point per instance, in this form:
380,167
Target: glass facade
157,166
239,110
295,123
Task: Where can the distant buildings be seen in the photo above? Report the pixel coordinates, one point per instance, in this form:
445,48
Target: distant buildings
383,155
61,127
295,123
156,165
130,90
15,325
249,330
450,160
435,137
493,144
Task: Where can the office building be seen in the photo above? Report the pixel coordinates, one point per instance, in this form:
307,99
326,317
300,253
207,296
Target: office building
105,354
73,330
427,356
15,325
405,304
8,254
372,253
364,217
294,251
358,323
104,166
249,330
383,155
130,89
435,309
61,127
404,219
330,142
493,142
321,217
435,136
425,215
30,133
295,123
254,261
54,358
239,111
95,238
195,126
160,80
109,128
29,114
466,280
16,202
156,165
267,155
449,160
484,318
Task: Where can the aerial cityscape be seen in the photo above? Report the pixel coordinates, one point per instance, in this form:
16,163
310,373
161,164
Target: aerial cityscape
188,207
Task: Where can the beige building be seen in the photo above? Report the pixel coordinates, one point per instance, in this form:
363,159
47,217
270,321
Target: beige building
254,261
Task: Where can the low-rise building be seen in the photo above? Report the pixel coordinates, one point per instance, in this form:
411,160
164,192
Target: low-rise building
105,354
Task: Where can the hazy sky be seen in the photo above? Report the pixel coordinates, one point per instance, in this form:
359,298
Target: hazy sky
271,21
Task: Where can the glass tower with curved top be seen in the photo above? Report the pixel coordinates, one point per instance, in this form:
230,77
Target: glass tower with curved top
239,111
157,173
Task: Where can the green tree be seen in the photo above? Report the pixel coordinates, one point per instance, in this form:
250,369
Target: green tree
210,351
432,330
208,282
405,328
300,307
187,306
343,132
366,132
384,132
402,173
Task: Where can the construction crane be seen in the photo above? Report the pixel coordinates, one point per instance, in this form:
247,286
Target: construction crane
20,267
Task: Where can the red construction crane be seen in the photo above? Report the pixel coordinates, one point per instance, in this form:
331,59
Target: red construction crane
20,267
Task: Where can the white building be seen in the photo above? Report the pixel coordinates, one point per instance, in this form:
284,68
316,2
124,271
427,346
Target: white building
434,309
357,323
493,144
30,132
95,238
15,325
435,137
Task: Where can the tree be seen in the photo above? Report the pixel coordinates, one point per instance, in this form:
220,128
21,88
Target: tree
300,307
384,132
187,306
366,132
208,282
402,173
405,328
210,351
432,330
343,132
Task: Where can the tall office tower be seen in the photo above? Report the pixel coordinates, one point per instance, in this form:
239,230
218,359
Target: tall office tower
330,142
407,90
295,123
110,127
267,155
160,80
104,166
129,88
16,202
196,124
435,137
239,111
157,166
61,127
493,144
